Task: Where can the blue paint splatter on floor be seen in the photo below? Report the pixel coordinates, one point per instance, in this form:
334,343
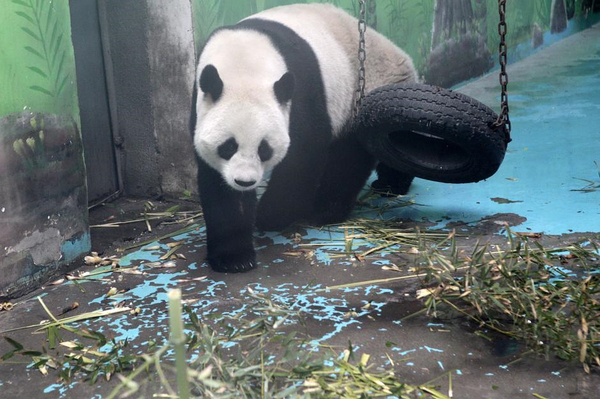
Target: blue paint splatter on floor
433,349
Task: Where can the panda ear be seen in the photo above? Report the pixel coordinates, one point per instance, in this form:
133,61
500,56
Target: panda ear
284,88
211,83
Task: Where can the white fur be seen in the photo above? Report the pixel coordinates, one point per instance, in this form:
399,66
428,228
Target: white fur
333,35
247,110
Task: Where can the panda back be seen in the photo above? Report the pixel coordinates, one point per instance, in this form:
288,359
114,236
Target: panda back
333,35
325,29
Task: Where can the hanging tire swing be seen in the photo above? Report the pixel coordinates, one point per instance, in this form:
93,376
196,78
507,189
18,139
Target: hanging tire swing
430,132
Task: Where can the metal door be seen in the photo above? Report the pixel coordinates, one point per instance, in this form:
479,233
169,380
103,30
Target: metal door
96,128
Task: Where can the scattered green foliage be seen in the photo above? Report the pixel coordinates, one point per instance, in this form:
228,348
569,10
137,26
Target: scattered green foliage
186,195
547,298
525,292
100,358
292,372
265,360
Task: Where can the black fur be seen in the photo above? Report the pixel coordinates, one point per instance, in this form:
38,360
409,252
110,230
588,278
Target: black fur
265,151
194,114
391,182
284,88
348,167
229,217
211,83
228,149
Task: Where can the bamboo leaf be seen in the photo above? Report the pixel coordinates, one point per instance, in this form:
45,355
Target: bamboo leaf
54,32
38,71
14,343
31,353
53,337
56,48
34,52
49,16
60,66
21,2
8,355
42,90
62,85
30,33
25,16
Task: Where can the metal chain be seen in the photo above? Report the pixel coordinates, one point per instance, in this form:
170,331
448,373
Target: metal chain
362,56
503,118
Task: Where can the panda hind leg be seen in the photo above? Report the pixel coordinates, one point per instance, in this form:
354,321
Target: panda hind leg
348,167
391,181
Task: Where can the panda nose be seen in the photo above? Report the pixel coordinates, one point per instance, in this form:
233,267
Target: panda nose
245,183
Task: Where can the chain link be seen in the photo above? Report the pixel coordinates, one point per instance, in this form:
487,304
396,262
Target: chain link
503,119
362,57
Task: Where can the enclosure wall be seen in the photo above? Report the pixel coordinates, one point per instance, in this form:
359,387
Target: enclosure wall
43,194
450,40
152,52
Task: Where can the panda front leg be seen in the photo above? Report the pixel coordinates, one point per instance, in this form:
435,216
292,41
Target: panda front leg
391,182
348,167
229,216
291,191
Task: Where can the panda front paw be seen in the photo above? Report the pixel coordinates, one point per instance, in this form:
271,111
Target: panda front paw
228,263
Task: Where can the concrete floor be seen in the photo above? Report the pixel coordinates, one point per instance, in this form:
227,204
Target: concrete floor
556,117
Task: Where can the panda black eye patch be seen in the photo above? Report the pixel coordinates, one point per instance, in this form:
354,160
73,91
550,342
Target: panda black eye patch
228,149
265,152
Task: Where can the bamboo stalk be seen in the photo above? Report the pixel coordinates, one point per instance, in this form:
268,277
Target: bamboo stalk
379,281
67,320
178,341
148,360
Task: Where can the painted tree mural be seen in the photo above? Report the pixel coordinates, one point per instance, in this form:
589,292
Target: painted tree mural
559,16
452,18
48,45
432,32
459,49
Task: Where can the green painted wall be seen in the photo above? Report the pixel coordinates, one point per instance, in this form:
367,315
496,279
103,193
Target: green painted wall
43,193
37,66
409,23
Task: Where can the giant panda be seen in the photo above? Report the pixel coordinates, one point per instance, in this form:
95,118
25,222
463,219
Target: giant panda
274,96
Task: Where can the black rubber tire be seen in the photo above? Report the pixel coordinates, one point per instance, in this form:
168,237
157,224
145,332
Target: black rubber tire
431,133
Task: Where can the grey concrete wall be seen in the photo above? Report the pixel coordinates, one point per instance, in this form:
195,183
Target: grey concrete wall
172,67
152,51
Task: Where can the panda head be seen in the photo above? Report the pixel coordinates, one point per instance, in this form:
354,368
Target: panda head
242,129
